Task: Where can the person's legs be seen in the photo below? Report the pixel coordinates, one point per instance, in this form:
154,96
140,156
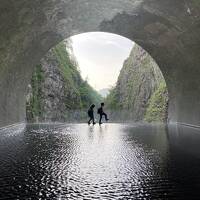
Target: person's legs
90,120
106,116
93,121
100,119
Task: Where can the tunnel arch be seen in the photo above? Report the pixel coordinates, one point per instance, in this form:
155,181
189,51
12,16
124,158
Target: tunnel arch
168,30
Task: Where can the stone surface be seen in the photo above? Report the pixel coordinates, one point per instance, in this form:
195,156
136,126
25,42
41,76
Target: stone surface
57,92
139,78
157,110
168,29
51,94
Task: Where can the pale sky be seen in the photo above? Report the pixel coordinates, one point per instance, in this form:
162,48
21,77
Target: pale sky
101,56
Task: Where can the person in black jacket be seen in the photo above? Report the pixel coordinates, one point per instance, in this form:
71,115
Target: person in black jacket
91,114
102,113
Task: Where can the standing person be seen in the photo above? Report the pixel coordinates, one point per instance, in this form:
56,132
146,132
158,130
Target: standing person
102,113
91,114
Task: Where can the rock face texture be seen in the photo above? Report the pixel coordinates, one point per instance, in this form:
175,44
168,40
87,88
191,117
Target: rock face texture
57,87
139,79
167,29
157,109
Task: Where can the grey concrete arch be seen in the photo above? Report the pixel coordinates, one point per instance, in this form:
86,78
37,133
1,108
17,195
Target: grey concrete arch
168,29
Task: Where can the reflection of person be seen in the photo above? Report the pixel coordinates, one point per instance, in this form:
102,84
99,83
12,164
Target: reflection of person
102,113
90,132
91,114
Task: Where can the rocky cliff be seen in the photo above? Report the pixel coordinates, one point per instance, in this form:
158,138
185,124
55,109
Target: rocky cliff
135,93
57,87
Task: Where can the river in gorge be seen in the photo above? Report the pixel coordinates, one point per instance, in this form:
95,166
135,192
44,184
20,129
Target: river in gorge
112,161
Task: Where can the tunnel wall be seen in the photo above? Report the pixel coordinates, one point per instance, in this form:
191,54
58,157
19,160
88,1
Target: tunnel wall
168,29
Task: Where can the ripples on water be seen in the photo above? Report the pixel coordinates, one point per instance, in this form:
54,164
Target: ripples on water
109,162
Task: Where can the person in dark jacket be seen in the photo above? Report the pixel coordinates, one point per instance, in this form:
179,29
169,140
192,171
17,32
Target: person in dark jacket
102,113
91,114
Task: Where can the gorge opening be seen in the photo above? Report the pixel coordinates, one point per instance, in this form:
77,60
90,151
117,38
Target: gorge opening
97,67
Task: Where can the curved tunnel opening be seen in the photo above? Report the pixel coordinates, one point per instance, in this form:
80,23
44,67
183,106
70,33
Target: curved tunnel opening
95,67
79,161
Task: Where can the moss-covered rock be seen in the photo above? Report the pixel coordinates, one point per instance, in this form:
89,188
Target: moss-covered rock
138,80
157,106
33,105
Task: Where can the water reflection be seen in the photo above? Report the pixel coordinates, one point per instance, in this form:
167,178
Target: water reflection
112,161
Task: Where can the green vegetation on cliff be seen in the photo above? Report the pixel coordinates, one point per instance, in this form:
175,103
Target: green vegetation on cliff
57,87
89,95
71,74
139,78
157,109
67,67
33,106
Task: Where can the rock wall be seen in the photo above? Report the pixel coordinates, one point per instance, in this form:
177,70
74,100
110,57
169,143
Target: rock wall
157,110
138,81
57,87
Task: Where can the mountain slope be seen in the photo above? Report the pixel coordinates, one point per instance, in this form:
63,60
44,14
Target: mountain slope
57,87
139,79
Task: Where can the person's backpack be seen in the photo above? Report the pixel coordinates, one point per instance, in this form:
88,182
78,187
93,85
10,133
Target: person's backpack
99,111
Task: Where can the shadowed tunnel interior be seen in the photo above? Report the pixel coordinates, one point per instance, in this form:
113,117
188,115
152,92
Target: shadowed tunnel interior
168,29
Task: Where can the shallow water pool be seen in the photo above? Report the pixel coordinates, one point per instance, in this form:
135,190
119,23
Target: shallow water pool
114,161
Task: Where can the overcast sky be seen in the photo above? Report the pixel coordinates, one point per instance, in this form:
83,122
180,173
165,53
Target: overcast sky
100,57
